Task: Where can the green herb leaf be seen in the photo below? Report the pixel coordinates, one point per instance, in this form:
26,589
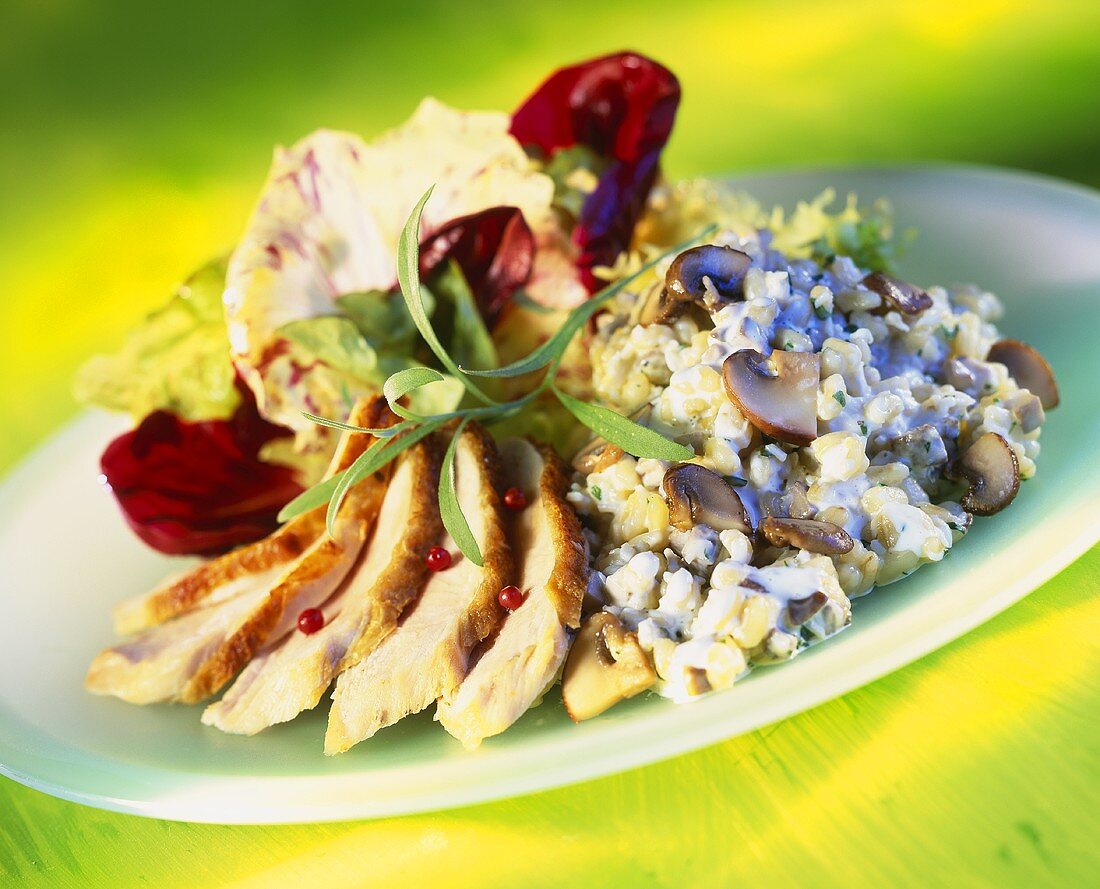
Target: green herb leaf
383,432
382,317
450,510
405,381
556,345
318,495
371,460
408,277
597,494
471,343
840,397
633,438
337,342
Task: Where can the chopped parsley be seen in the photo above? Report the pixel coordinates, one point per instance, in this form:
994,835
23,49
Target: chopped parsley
596,492
821,311
841,398
862,427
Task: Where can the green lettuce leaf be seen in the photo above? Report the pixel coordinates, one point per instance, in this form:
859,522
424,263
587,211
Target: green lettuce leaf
177,359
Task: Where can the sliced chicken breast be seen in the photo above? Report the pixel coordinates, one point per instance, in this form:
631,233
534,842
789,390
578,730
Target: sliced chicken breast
428,654
252,566
516,667
291,675
191,657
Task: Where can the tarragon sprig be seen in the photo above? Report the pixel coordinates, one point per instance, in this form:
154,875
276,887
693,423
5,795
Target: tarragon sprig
632,437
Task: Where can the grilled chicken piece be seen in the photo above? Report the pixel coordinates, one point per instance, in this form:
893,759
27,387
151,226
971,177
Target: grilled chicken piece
426,657
524,659
191,657
290,676
252,566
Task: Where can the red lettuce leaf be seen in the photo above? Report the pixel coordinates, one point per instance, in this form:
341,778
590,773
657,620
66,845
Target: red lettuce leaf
199,488
622,107
495,250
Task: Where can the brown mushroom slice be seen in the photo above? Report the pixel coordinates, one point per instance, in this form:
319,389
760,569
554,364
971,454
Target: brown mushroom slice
606,665
812,535
599,454
698,496
724,267
657,306
1028,368
696,682
991,468
596,456
801,610
780,403
1029,413
900,295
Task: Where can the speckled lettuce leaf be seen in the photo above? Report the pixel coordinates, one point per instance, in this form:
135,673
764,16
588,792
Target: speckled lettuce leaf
382,318
327,225
336,342
176,360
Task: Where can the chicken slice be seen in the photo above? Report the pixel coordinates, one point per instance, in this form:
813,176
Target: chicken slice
428,654
291,676
523,660
192,656
252,566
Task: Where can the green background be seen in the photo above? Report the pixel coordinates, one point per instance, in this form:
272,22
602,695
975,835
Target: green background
135,137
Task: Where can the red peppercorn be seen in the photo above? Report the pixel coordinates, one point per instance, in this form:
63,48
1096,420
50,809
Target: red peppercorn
438,559
310,621
510,597
515,499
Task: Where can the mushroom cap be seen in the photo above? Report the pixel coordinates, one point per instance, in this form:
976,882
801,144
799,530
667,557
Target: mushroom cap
991,468
811,535
596,456
1028,368
723,267
801,610
698,496
599,453
900,295
783,403
605,665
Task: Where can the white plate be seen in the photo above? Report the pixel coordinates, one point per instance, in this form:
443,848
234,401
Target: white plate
66,558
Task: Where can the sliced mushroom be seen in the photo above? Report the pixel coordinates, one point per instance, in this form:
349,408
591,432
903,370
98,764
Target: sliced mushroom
596,456
991,468
1028,368
723,267
920,446
1029,413
780,403
792,502
900,295
968,375
812,535
698,496
605,666
696,682
801,610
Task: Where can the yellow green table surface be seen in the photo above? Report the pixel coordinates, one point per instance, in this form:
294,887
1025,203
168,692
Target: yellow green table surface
135,137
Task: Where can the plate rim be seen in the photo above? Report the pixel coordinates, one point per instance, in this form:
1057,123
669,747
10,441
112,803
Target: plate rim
185,807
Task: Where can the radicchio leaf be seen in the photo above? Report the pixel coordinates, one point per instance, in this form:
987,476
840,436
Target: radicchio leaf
199,487
495,250
622,106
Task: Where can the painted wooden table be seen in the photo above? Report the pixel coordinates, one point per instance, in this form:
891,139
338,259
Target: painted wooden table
138,137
